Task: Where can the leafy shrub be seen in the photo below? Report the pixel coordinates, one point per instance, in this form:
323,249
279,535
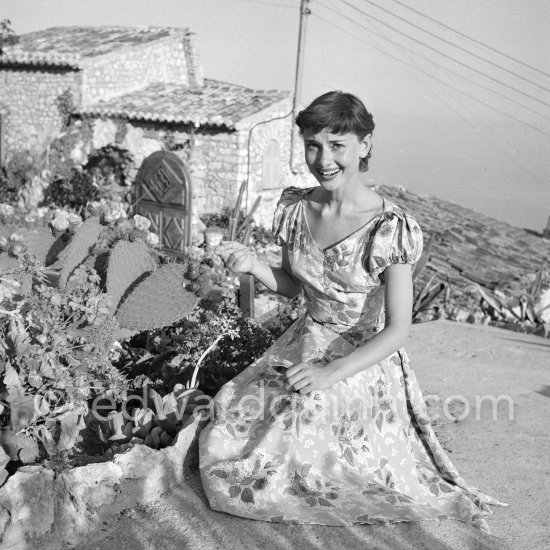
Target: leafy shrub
56,342
103,176
217,219
7,34
8,188
75,192
181,346
19,171
108,167
55,356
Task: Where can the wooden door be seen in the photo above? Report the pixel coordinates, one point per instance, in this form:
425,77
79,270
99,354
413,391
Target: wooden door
163,195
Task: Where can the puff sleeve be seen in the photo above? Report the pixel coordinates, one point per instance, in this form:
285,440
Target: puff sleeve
397,240
284,219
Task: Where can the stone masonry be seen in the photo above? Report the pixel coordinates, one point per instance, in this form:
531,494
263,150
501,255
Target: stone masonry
91,65
28,97
143,90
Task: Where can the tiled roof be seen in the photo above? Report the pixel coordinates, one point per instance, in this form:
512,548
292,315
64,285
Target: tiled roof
215,104
69,46
470,246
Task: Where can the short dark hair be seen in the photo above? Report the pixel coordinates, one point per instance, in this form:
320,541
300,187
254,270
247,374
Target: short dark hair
340,113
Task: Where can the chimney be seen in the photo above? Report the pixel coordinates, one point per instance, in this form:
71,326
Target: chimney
546,230
193,58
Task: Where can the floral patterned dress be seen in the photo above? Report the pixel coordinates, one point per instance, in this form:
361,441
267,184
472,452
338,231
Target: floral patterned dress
363,451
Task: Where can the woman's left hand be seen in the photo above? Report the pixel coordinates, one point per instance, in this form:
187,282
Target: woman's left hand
306,377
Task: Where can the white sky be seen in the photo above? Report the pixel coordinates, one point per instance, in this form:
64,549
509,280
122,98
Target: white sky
479,136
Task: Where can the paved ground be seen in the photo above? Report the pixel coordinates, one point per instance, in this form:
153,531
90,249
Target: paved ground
505,454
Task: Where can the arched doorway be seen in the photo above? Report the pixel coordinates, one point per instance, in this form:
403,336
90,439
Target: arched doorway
163,195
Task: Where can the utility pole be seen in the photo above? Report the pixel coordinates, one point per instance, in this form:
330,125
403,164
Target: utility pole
304,12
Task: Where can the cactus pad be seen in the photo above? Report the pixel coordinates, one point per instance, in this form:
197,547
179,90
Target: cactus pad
127,263
38,242
158,301
79,247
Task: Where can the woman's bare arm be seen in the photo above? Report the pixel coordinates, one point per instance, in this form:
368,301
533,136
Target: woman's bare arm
305,377
239,259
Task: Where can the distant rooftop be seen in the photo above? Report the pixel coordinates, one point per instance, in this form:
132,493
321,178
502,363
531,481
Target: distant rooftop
69,46
472,247
215,104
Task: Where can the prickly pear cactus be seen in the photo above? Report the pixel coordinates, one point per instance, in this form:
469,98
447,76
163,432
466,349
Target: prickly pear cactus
127,263
158,301
38,242
79,247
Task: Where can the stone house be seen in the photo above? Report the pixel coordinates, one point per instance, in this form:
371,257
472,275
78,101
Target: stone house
143,90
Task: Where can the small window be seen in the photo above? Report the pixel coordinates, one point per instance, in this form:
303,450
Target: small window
271,166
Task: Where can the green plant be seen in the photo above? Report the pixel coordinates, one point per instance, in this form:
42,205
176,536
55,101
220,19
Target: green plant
8,188
218,219
7,35
55,356
55,342
19,171
207,348
105,174
75,192
69,149
65,107
521,310
79,247
159,300
108,167
425,296
128,262
240,231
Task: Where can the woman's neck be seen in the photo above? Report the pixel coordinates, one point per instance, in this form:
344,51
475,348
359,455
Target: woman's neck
347,199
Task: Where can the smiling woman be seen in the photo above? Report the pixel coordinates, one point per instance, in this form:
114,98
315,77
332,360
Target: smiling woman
337,132
339,114
330,425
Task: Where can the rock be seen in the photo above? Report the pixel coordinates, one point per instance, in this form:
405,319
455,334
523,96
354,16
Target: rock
83,493
34,504
28,500
4,519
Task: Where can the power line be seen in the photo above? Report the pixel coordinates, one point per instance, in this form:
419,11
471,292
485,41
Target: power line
517,90
524,167
442,67
429,75
473,39
490,132
261,3
453,44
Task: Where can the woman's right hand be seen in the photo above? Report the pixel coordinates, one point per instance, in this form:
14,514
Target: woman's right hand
237,257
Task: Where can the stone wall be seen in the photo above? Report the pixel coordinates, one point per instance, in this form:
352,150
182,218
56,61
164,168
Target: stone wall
217,158
124,71
264,180
29,96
